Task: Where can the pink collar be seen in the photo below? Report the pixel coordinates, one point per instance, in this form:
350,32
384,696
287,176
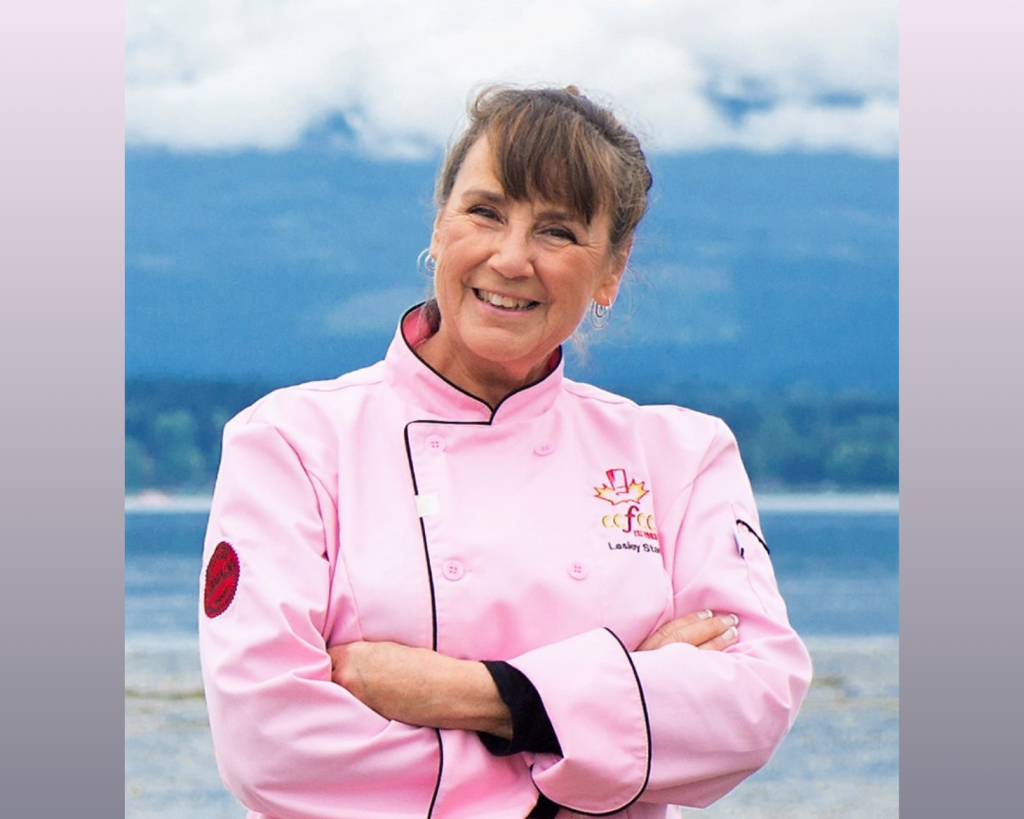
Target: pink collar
423,387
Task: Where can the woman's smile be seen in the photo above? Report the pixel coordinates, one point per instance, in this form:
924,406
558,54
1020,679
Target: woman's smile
507,303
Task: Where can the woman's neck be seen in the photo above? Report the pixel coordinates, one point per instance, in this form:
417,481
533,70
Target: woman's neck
491,382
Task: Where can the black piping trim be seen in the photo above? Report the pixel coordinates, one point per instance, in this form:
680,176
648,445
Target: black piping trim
433,621
752,531
423,530
440,768
423,536
454,386
430,582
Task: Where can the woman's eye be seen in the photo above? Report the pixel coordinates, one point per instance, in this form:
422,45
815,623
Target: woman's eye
562,233
484,211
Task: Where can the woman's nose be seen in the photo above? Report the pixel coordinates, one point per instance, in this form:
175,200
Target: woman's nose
513,256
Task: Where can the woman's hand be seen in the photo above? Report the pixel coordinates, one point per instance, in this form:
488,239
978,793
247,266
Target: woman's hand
703,629
418,686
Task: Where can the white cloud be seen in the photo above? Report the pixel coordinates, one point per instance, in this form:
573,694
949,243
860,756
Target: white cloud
262,73
869,128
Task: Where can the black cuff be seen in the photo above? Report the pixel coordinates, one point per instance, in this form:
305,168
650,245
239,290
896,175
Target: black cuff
531,728
544,809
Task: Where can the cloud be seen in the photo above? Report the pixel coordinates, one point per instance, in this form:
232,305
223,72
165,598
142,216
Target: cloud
391,79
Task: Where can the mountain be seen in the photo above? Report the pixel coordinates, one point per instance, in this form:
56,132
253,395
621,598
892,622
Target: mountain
281,267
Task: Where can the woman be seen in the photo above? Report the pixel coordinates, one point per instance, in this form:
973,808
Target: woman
458,584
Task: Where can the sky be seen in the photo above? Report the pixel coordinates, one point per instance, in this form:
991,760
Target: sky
390,79
243,81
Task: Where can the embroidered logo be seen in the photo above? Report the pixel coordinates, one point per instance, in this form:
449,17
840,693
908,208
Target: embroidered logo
621,488
221,580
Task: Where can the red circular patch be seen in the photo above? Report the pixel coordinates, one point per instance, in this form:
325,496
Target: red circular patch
221,579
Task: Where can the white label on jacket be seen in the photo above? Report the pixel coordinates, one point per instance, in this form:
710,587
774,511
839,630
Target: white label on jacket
427,504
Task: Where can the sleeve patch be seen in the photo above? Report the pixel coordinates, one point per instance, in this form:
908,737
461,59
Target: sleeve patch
221,580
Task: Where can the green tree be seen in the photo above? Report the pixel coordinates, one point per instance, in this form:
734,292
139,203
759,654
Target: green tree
180,461
867,453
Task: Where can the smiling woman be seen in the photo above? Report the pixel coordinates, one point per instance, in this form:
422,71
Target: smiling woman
458,584
513,280
537,204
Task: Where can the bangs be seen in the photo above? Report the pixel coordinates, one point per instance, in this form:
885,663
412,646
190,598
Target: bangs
546,155
556,146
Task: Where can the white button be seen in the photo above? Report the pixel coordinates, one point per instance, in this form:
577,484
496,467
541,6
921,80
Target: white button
435,442
452,569
577,570
544,449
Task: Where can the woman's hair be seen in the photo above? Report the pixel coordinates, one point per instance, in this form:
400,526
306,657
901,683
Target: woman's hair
555,144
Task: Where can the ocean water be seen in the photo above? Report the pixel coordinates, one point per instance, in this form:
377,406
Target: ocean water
839,573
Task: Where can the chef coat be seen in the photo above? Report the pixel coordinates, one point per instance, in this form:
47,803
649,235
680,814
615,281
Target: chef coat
554,532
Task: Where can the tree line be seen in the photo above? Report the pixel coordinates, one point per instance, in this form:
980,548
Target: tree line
797,437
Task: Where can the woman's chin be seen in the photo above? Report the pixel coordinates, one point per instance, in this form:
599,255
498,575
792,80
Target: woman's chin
508,351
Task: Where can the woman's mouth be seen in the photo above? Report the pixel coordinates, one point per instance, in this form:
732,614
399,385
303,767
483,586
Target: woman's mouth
503,302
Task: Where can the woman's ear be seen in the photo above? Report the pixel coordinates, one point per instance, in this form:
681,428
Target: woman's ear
608,289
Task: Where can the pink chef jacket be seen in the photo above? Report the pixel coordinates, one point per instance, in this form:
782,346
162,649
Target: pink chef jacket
555,533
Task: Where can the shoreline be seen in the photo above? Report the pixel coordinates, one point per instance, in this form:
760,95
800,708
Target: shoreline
777,502
840,759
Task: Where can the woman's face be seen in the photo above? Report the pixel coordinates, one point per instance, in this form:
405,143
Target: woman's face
513,279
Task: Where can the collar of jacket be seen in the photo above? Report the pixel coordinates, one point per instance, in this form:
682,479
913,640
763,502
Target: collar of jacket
437,398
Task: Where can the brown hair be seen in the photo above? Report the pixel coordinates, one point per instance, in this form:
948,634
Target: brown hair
557,145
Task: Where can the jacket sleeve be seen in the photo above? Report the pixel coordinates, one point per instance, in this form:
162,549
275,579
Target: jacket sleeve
678,725
289,742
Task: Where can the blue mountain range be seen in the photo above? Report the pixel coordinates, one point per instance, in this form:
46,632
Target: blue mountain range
281,267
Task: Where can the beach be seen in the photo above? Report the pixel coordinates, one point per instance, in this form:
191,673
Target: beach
882,502
840,760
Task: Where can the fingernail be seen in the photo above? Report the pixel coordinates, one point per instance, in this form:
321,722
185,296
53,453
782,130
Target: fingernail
735,619
706,614
730,633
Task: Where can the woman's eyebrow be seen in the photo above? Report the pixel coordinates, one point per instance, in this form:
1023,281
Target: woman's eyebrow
560,215
486,194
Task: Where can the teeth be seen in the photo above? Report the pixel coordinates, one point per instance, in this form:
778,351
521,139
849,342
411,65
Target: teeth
505,302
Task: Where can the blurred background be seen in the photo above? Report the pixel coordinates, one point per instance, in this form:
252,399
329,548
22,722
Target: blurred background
279,170
279,162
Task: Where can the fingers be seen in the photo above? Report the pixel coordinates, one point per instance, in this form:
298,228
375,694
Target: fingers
703,629
726,638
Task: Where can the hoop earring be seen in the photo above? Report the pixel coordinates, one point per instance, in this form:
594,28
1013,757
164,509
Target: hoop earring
426,264
599,314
